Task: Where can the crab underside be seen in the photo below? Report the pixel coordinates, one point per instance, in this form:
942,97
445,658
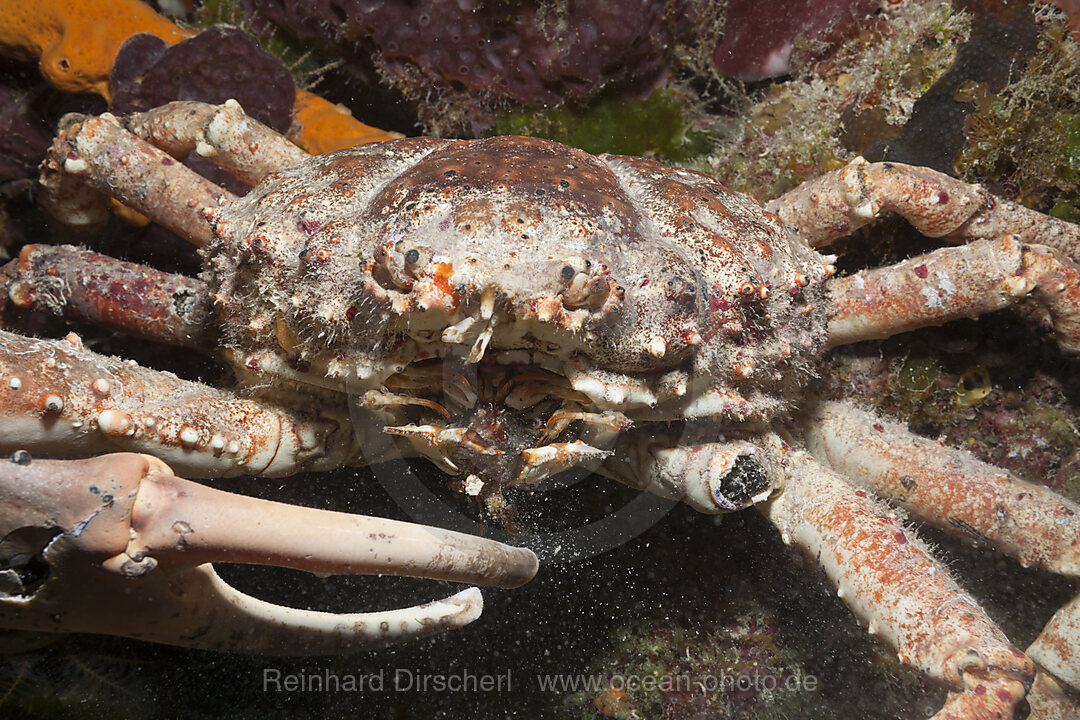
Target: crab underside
508,308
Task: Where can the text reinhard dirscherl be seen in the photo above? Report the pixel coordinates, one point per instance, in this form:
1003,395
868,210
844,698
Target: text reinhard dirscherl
399,680
409,680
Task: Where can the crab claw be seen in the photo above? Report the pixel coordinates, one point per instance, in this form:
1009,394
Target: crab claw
119,545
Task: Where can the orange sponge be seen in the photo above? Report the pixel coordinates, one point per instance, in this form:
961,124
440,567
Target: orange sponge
77,41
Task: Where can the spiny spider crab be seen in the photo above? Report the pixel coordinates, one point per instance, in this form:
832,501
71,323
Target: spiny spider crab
510,308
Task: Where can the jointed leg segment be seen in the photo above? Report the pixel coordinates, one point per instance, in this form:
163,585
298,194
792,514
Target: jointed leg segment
61,399
97,157
222,134
85,286
951,490
937,205
953,283
135,160
892,583
948,488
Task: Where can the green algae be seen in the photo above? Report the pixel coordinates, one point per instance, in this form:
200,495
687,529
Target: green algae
1027,137
659,126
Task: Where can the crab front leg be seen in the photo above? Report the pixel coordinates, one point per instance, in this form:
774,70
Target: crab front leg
951,490
57,398
693,467
890,580
937,205
119,545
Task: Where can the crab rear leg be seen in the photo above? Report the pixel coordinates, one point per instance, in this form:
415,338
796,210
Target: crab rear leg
953,283
119,545
937,205
57,398
951,490
892,583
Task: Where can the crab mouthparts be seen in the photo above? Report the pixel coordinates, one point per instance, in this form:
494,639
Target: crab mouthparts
507,425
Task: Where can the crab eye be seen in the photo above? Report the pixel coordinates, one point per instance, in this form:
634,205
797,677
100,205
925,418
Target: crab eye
412,256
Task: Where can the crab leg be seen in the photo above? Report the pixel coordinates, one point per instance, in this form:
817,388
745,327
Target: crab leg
953,283
951,490
540,463
78,284
119,545
711,477
937,205
607,420
58,398
375,399
223,134
891,581
95,156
